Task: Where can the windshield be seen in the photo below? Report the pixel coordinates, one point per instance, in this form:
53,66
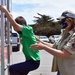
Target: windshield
43,37
56,36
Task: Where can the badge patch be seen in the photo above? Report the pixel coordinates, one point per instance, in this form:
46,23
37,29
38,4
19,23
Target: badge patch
73,45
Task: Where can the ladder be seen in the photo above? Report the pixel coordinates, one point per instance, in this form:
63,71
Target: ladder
5,31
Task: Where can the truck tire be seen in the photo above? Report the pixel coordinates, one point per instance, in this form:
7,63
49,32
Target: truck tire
18,48
15,49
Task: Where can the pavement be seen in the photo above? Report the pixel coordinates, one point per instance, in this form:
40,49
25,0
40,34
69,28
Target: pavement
45,65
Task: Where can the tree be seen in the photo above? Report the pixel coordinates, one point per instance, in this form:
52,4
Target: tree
45,25
43,19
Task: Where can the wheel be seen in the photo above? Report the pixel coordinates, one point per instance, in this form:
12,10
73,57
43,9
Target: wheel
16,48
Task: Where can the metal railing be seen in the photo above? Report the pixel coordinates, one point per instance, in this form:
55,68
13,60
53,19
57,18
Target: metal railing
8,4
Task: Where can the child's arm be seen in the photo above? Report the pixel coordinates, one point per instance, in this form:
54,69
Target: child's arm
15,25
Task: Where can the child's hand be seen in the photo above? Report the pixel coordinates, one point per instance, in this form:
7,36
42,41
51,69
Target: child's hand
2,7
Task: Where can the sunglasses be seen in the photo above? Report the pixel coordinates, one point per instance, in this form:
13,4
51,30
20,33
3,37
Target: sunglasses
63,23
63,20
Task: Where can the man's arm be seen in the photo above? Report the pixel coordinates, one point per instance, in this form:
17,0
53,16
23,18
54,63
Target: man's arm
48,44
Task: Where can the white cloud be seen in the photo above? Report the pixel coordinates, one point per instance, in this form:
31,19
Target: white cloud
53,8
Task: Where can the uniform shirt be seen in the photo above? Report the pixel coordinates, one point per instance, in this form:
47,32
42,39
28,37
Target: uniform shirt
27,38
67,42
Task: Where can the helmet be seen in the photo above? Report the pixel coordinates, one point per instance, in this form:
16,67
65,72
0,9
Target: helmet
66,14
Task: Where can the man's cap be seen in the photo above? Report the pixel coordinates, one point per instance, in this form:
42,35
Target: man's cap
66,14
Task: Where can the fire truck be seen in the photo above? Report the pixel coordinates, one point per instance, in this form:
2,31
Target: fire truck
5,39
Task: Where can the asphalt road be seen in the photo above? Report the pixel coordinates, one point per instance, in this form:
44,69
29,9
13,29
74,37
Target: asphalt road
45,66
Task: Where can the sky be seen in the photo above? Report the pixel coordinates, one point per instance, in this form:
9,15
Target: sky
29,8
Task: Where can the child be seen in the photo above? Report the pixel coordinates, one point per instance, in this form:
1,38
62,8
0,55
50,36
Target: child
27,38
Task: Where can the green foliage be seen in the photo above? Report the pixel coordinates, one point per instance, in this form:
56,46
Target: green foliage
45,25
